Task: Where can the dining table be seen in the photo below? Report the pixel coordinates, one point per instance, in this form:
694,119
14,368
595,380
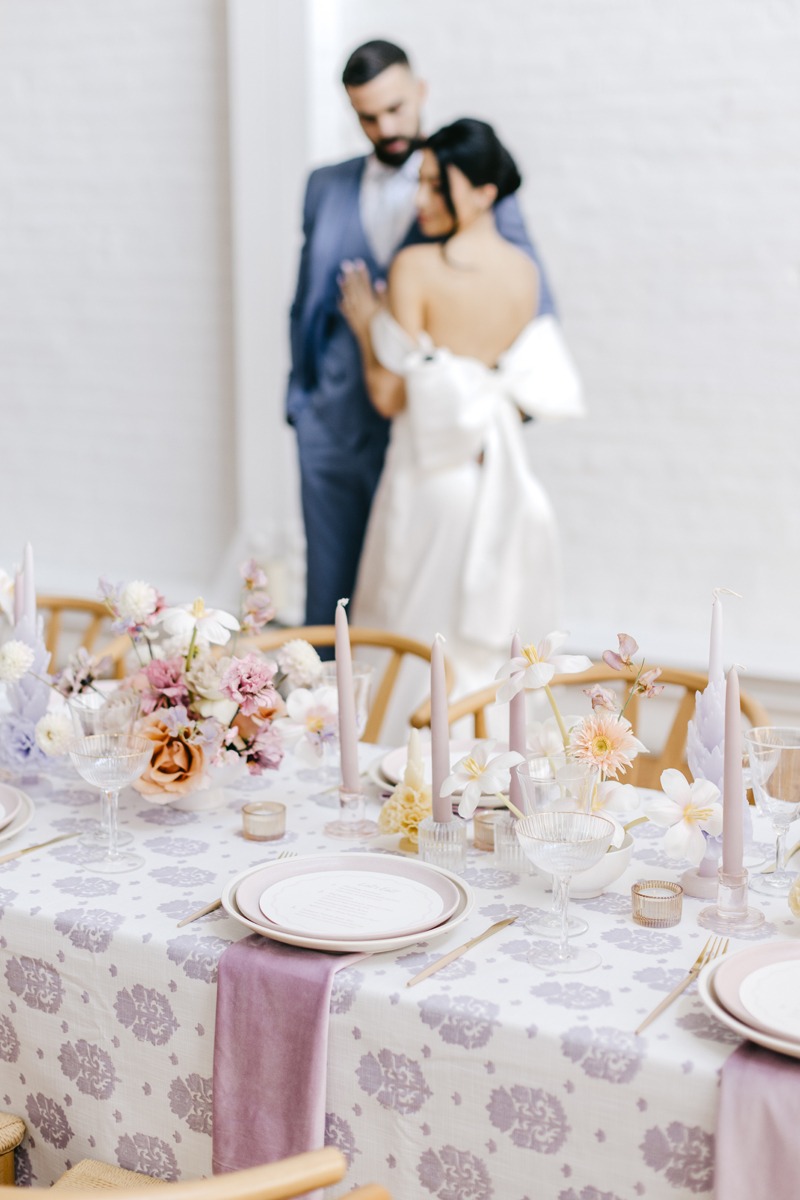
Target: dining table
488,1080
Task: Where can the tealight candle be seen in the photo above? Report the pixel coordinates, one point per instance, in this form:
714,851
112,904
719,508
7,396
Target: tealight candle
264,820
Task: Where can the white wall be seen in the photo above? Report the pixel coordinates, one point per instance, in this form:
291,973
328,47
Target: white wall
659,145
116,380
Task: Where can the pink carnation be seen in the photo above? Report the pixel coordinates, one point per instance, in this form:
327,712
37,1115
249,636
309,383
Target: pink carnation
166,683
265,753
248,682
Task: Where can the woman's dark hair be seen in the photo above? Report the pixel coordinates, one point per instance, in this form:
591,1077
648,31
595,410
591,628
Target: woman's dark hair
473,147
370,60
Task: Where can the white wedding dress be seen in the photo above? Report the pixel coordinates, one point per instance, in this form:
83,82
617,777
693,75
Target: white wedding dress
462,539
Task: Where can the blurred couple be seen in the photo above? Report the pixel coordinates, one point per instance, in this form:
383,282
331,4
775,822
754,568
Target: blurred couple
423,319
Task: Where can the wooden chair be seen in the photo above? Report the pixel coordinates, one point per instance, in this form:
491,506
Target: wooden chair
91,1180
680,689
74,621
396,645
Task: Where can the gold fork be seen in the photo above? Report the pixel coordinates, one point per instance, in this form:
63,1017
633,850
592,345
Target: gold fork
215,904
714,948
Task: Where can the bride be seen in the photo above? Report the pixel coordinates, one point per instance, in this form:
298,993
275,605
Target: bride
462,538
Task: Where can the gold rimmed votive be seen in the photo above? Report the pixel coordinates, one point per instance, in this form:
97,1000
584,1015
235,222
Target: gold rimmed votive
656,903
264,820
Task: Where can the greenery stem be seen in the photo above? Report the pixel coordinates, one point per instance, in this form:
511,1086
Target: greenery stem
559,719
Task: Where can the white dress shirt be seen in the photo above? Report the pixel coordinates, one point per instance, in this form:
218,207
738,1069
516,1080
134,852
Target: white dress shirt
387,204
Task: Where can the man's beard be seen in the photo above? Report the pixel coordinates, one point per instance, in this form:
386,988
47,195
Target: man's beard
394,158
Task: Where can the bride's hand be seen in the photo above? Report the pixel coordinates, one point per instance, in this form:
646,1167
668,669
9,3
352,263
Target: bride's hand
359,300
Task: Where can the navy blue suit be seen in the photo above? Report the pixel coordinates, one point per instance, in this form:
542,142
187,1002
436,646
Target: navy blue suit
341,438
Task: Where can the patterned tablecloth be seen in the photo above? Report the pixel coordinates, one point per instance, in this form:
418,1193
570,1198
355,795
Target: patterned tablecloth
489,1081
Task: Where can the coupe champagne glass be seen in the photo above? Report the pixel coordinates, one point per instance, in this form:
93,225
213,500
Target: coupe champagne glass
774,759
96,712
556,783
110,761
562,843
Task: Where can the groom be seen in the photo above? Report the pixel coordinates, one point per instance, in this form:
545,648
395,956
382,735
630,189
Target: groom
359,209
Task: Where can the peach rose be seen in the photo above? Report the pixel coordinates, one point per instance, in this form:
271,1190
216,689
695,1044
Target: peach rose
248,727
176,766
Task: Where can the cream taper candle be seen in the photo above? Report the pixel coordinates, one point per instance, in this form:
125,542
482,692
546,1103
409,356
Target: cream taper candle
29,585
732,786
348,730
715,668
440,734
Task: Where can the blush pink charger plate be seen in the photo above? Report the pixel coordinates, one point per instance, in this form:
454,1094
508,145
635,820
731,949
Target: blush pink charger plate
756,993
244,898
16,811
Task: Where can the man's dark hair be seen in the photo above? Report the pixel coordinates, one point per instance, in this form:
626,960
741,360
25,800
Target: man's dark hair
369,60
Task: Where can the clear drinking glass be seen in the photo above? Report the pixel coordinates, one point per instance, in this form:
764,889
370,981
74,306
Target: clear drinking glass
556,783
110,761
562,843
351,821
95,712
774,758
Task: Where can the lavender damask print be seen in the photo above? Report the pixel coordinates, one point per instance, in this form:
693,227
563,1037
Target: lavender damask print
89,1067
338,1133
588,1193
148,1155
90,929
535,1118
9,1042
147,1013
572,995
396,1081
604,1053
177,847
190,1099
36,982
50,1119
183,877
198,955
453,1174
684,1153
460,1020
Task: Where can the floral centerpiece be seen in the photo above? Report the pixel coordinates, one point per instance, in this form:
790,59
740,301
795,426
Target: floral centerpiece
202,709
604,738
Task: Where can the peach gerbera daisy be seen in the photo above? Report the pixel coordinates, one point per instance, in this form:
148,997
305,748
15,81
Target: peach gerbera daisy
607,741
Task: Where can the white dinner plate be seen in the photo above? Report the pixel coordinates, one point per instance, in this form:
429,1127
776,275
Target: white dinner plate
393,764
231,893
23,816
10,804
707,993
760,986
346,903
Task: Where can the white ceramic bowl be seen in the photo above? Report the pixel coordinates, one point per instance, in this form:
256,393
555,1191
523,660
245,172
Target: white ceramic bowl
596,879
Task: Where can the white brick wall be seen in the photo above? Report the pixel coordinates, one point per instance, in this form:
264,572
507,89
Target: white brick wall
659,144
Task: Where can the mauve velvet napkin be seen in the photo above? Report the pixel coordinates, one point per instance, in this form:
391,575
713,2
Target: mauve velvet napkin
270,1051
758,1150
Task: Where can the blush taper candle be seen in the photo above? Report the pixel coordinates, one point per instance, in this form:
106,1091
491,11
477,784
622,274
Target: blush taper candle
348,730
732,786
516,731
440,734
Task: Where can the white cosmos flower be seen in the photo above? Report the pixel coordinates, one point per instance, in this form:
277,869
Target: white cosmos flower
478,775
207,624
16,659
53,733
611,796
7,596
537,665
685,809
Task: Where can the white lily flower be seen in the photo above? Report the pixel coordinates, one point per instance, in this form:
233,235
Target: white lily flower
686,809
537,665
611,796
478,774
207,624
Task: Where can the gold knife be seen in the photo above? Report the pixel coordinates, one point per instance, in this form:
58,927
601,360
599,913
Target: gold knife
201,912
446,959
62,837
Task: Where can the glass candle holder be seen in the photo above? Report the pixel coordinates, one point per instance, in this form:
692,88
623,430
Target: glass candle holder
508,853
656,903
483,825
264,820
444,843
731,913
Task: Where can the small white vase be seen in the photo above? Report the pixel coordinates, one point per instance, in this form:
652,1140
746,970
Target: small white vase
215,796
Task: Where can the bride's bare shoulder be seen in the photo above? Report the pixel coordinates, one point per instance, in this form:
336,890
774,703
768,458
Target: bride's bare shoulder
416,259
